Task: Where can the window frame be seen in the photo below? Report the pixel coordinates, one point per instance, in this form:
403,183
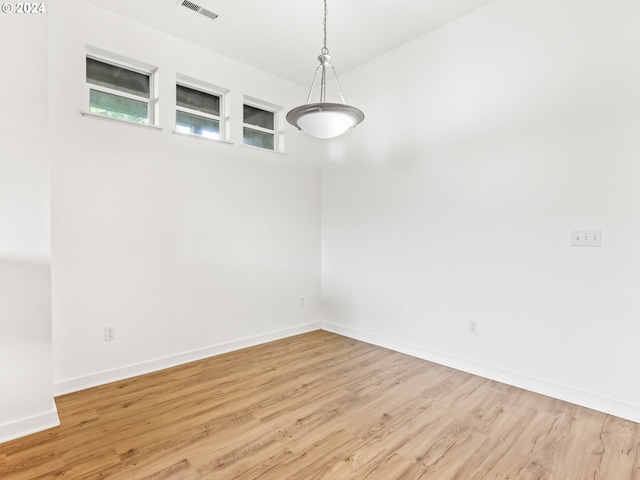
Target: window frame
278,130
210,89
131,65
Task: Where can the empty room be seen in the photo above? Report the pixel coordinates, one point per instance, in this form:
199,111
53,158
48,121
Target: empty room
320,239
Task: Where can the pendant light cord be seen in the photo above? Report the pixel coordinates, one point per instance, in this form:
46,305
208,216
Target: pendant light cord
324,63
325,50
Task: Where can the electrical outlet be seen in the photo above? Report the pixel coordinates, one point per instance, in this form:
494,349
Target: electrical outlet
109,333
472,327
302,302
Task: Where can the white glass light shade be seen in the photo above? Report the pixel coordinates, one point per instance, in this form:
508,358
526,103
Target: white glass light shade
325,124
325,120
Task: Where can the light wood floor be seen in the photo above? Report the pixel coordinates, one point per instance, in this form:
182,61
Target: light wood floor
321,406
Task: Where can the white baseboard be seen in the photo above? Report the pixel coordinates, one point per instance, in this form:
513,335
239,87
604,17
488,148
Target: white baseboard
100,378
577,397
27,426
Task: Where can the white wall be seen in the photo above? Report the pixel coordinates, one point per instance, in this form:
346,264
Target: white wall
26,395
188,247
486,142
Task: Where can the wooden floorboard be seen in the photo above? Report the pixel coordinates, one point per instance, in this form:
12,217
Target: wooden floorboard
321,406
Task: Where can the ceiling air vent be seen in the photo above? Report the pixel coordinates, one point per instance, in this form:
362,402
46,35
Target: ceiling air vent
198,9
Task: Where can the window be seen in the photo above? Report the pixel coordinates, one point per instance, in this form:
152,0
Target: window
118,91
259,128
198,112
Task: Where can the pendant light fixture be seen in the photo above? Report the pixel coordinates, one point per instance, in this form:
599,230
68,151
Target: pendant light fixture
323,119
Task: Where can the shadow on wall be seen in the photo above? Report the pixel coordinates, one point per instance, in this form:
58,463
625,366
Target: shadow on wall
25,338
25,300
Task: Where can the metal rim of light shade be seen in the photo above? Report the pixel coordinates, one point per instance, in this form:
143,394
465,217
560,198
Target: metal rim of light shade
323,119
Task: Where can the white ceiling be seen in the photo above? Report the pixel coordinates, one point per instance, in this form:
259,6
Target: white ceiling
284,37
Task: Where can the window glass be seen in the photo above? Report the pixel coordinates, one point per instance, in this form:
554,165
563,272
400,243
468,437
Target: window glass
198,112
197,100
258,117
256,138
118,107
196,125
118,78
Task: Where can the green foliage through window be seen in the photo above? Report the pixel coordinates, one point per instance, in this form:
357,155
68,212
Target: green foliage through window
118,107
118,92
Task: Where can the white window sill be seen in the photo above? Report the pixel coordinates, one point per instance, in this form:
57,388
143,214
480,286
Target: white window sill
119,120
217,140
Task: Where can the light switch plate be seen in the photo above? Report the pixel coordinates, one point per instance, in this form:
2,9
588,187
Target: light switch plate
586,238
